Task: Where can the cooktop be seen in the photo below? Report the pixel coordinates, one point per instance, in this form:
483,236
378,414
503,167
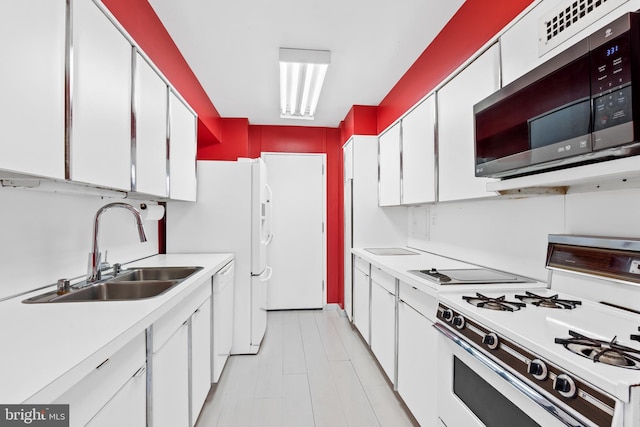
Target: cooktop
469,276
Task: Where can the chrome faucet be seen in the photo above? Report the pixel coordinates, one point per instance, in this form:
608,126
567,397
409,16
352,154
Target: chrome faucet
94,272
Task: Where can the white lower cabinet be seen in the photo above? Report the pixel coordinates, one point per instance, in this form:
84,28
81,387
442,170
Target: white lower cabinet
113,391
383,320
417,364
222,329
127,408
170,380
181,361
200,358
361,294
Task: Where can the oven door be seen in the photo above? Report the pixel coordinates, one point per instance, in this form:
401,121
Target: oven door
474,390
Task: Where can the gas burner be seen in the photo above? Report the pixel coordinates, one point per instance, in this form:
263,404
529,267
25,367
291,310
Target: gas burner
607,352
548,302
493,303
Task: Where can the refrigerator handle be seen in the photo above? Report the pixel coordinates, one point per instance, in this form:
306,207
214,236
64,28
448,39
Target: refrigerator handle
269,213
269,272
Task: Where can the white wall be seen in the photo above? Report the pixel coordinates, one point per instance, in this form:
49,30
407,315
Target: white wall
47,236
511,233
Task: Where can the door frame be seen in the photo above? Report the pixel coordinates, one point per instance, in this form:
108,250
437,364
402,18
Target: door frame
323,156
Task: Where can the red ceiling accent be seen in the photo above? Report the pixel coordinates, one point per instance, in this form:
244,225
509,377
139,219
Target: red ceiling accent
142,23
475,23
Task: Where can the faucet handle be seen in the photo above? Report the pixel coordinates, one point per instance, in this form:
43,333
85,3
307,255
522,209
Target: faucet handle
63,286
104,265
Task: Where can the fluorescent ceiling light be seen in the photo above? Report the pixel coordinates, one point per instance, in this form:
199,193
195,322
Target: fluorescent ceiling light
302,73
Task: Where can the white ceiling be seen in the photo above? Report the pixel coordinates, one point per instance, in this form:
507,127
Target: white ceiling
232,47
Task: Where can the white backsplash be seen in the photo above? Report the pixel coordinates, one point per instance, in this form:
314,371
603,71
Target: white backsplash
47,236
511,233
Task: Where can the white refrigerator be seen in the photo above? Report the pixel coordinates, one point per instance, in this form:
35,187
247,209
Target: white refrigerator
231,214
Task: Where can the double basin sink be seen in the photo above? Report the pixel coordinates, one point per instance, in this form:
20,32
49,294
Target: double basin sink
130,284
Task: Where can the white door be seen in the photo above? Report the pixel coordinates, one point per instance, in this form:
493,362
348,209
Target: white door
297,249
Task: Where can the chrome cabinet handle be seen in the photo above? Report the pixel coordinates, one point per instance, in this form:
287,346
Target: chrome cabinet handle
516,382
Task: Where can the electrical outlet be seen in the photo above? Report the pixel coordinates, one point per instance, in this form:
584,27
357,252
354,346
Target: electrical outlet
635,267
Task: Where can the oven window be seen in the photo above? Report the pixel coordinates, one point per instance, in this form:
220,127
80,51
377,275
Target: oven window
487,403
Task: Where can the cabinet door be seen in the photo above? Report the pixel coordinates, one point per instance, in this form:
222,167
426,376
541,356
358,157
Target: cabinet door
32,102
222,335
128,407
101,105
93,392
456,158
182,150
361,288
150,142
170,381
200,358
417,364
418,153
389,165
383,321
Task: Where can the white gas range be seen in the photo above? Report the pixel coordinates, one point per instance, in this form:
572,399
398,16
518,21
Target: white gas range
571,357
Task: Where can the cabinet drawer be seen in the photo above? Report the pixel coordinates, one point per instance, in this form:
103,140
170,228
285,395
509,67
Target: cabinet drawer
385,280
88,396
170,322
421,302
361,265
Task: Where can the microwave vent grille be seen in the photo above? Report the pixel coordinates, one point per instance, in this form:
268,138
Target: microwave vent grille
570,17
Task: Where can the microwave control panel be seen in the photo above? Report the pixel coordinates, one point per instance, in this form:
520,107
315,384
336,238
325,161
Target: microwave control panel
611,65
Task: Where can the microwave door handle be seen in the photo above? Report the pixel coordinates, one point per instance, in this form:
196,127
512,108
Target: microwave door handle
532,394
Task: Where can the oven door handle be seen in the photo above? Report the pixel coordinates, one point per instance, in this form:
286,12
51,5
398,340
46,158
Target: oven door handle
532,394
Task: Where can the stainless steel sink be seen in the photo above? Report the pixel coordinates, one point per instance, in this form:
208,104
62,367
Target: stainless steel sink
134,284
155,273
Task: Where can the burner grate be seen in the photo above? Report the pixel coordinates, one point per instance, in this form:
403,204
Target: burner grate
607,352
499,303
548,302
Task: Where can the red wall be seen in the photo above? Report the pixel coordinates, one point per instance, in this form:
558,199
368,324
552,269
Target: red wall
360,120
235,134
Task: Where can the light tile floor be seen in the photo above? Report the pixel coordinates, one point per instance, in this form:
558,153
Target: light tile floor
313,370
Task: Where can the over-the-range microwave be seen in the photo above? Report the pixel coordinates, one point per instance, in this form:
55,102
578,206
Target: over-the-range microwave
581,106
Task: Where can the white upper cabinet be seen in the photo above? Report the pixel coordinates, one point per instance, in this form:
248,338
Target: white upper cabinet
182,150
418,153
33,72
456,129
389,164
150,108
100,146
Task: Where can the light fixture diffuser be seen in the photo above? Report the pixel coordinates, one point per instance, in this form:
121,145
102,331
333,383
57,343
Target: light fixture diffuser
302,73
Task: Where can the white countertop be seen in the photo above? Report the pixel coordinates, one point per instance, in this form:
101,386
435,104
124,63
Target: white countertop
399,266
48,347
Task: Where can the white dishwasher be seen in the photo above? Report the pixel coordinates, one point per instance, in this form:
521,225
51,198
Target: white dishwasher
222,309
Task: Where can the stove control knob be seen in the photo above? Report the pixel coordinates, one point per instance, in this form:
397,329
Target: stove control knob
491,341
538,369
447,315
565,385
458,322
